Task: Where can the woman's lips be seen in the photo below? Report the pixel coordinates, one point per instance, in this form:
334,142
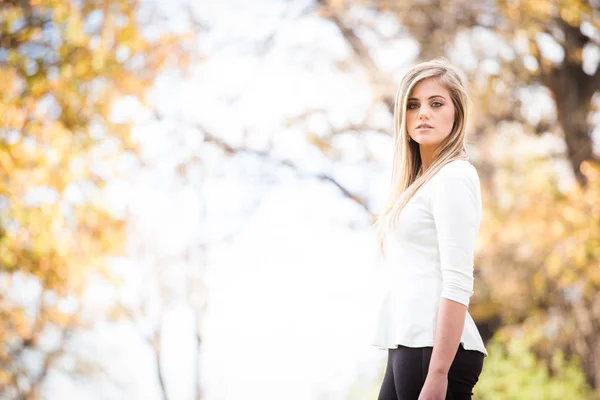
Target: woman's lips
424,126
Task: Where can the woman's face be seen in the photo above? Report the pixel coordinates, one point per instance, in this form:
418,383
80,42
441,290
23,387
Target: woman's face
429,113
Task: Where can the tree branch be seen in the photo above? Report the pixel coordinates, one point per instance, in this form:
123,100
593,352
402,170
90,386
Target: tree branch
208,137
383,85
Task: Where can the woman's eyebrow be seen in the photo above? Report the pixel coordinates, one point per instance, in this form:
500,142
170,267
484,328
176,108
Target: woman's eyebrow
431,97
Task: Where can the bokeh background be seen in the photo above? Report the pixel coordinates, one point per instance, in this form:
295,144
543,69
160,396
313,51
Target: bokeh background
187,190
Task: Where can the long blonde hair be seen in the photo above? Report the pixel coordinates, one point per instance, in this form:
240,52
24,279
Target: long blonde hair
405,178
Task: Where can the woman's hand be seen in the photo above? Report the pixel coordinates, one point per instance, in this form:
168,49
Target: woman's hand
435,387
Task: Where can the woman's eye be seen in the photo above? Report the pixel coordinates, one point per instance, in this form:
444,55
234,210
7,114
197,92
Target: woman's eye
412,106
436,102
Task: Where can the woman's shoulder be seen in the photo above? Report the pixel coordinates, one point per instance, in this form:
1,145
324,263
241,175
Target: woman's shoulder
457,169
457,179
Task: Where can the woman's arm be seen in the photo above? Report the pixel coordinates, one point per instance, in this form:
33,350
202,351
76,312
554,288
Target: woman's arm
449,328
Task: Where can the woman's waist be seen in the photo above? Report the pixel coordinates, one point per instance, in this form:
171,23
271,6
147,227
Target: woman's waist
415,293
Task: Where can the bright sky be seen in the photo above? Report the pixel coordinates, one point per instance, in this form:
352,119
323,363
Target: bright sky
290,296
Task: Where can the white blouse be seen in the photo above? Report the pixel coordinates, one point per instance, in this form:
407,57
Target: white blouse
429,255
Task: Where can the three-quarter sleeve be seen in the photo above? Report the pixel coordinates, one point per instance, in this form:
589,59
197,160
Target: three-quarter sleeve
456,209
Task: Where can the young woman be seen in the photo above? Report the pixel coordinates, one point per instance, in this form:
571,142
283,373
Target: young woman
427,233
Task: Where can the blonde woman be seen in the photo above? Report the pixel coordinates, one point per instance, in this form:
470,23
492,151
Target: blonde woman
427,233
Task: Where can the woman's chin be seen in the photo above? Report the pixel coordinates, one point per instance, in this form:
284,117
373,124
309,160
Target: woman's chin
427,141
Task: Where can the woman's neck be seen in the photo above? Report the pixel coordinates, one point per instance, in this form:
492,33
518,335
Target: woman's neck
426,157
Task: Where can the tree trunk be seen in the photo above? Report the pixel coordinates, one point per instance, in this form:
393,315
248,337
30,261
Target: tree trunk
570,87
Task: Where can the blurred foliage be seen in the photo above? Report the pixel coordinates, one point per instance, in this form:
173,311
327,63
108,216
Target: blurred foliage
512,371
540,263
572,27
63,66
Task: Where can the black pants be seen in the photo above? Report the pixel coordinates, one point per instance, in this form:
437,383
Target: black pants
407,369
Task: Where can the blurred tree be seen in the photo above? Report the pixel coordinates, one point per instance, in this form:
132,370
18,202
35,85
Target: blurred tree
543,267
573,27
63,66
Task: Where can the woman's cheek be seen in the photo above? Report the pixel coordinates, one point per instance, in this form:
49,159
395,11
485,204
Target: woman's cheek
449,120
